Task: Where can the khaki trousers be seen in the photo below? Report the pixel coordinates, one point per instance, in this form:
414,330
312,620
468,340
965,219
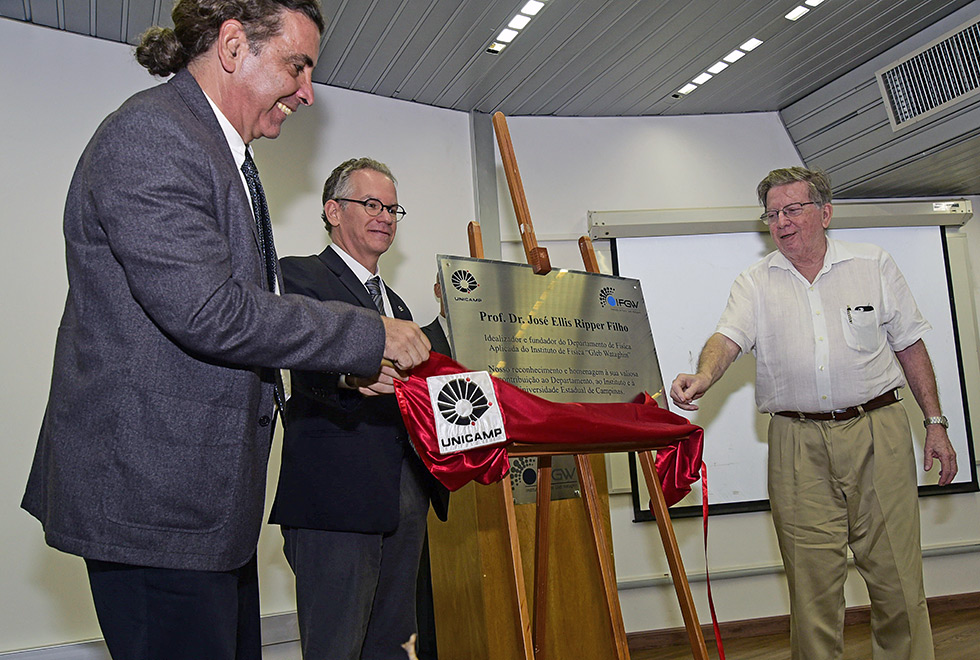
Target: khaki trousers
852,483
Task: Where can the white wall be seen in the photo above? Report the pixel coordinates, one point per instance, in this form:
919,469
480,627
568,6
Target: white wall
570,166
57,87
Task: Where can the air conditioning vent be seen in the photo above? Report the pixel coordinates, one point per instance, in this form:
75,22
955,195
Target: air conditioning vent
932,78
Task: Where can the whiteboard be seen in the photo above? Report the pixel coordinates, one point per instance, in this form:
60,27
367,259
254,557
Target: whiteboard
686,281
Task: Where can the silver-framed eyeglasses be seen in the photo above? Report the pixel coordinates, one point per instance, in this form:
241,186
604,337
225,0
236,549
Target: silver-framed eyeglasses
374,207
790,211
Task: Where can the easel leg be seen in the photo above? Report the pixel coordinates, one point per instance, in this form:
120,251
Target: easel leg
590,498
541,549
517,575
681,586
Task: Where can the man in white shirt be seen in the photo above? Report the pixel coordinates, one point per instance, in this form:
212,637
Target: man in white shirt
353,495
836,333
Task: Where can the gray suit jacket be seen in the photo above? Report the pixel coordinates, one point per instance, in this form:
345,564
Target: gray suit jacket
154,444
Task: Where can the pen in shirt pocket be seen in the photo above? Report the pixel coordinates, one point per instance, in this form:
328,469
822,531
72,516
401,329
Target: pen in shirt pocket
859,308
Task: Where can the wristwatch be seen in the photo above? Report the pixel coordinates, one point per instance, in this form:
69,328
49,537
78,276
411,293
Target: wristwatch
936,420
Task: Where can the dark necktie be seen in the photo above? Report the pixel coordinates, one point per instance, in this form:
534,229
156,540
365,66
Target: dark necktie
373,285
263,224
267,248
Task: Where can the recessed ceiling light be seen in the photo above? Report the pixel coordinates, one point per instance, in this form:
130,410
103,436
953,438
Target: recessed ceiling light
813,3
717,67
519,21
506,35
687,89
496,47
734,56
751,44
532,7
703,78
797,13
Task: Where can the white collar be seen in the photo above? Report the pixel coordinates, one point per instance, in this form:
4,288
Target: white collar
362,273
234,140
836,253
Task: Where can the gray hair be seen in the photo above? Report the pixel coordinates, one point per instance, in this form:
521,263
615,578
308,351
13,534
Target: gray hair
817,182
338,183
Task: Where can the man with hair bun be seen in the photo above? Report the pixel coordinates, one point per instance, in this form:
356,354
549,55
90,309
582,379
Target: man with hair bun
836,334
151,459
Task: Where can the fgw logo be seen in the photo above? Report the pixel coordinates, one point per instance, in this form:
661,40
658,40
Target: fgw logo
523,470
607,299
464,281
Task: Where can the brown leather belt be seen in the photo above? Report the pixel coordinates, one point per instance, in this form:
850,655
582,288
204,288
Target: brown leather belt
844,414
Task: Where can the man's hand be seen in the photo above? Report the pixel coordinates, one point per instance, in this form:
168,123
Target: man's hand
687,388
405,345
717,355
939,446
382,383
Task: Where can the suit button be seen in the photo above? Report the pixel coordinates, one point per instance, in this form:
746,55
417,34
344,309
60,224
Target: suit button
264,420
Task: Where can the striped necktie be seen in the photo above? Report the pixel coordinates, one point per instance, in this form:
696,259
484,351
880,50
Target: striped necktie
373,285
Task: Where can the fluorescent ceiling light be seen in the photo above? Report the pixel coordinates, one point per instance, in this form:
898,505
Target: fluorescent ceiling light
532,7
751,44
687,89
506,35
717,67
797,13
734,56
496,47
703,78
813,3
519,21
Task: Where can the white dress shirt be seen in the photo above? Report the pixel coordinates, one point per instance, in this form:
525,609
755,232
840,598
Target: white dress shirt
826,345
363,274
238,147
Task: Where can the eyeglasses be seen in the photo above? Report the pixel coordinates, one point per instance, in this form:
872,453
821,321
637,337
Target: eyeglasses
790,211
374,207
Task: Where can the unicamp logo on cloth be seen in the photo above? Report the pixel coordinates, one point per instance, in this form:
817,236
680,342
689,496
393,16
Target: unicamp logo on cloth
464,281
465,411
607,298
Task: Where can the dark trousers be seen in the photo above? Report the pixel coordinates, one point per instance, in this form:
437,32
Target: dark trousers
355,593
169,614
425,647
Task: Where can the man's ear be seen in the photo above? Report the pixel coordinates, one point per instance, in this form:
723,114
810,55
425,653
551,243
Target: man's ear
331,209
827,212
231,45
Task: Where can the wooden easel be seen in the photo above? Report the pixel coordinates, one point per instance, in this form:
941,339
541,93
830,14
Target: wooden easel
478,568
537,257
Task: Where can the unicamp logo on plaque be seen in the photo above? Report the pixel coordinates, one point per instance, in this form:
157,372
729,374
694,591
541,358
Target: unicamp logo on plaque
464,281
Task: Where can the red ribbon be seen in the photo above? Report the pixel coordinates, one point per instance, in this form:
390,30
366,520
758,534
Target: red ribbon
534,420
707,575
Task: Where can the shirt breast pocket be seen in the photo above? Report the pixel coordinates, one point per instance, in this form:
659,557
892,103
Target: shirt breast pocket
862,331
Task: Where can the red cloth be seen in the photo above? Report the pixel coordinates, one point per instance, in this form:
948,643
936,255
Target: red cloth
531,419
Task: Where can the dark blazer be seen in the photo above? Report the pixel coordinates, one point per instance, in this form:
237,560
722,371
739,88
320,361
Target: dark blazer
438,339
154,443
342,451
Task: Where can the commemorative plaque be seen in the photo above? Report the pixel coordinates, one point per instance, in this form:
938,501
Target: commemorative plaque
566,336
